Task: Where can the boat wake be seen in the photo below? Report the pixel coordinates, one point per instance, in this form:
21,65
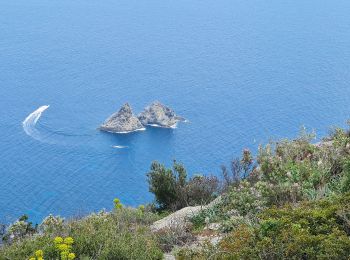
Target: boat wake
30,122
120,146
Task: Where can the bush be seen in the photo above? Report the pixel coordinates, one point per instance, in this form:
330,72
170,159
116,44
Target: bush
345,178
291,205
313,230
52,224
291,202
173,191
176,235
122,234
297,170
200,190
167,185
240,169
19,229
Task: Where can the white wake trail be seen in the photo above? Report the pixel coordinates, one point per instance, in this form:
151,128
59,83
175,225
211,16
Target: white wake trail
31,120
120,146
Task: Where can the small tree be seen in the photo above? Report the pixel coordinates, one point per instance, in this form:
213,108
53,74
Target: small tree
240,169
165,183
173,191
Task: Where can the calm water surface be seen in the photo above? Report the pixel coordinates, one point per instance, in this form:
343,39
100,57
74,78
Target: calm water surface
242,72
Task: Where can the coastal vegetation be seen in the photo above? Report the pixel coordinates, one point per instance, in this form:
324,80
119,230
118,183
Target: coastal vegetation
121,234
174,191
290,201
293,204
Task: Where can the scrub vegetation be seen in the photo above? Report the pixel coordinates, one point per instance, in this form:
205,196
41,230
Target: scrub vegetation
290,201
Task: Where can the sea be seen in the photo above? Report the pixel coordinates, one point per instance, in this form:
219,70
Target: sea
242,72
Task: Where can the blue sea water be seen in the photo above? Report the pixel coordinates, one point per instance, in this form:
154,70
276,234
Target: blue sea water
241,71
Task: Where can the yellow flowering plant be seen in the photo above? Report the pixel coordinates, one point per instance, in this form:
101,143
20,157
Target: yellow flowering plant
69,241
38,255
142,208
58,240
117,204
64,247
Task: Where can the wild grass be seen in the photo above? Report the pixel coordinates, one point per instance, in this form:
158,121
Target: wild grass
122,234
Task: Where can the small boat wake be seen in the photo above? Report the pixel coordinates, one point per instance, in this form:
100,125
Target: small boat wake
30,122
39,131
119,146
43,133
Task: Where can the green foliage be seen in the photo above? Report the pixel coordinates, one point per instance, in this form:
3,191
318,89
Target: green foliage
52,223
117,204
167,184
298,170
340,137
173,191
291,202
174,235
240,168
19,229
292,205
122,234
245,199
345,178
208,215
312,230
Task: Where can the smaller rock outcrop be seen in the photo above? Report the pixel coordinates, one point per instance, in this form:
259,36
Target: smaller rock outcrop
182,216
178,218
160,115
124,121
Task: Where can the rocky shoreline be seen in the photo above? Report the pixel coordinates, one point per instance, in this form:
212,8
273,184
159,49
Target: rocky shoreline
156,114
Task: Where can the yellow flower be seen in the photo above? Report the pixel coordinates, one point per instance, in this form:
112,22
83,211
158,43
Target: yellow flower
39,253
142,208
64,255
116,201
63,247
71,256
32,258
40,258
58,240
69,240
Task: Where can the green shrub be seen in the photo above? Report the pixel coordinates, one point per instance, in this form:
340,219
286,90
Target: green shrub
345,178
206,216
291,202
123,234
19,229
173,191
240,168
167,185
312,230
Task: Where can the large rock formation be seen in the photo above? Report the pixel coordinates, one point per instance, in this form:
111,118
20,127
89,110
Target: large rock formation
158,114
123,121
